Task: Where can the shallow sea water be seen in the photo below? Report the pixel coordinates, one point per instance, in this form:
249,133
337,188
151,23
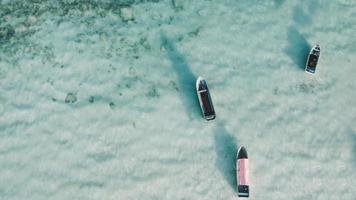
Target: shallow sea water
97,99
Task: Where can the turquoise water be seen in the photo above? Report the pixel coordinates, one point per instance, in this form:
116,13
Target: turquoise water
97,99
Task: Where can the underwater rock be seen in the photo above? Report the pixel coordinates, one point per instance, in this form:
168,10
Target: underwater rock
177,4
195,32
143,42
91,99
276,91
153,92
70,98
126,14
112,105
173,85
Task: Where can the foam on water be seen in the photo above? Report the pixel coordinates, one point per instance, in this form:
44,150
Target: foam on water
131,127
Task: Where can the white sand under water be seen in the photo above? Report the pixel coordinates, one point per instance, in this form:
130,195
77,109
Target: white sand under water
97,99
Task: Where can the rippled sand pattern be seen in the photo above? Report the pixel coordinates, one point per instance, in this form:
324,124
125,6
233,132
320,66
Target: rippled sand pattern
97,99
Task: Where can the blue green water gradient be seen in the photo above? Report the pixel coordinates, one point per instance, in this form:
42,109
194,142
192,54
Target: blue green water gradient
97,99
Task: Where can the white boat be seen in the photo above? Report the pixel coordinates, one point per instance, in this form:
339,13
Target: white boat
242,172
313,59
204,98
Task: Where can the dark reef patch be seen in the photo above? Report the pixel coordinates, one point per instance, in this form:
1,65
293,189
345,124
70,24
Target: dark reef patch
28,17
6,33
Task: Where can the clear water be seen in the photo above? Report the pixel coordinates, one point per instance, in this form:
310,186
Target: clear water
97,99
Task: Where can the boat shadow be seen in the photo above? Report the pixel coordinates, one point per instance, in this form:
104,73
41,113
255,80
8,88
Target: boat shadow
225,147
300,17
298,47
185,77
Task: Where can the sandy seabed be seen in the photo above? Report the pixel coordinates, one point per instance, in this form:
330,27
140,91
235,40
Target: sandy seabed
97,99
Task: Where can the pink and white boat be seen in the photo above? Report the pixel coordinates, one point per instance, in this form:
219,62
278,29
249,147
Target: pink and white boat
242,172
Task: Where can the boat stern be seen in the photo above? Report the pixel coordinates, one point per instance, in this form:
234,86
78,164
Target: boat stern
243,191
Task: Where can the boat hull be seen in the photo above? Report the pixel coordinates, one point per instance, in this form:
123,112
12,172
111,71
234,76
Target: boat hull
242,173
312,60
206,104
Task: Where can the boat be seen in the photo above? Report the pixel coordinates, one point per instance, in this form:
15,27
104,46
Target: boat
313,59
242,172
204,98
